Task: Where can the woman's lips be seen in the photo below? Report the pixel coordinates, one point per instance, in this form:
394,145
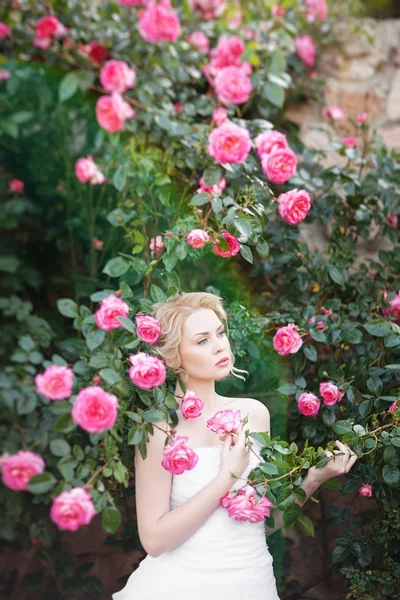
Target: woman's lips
222,363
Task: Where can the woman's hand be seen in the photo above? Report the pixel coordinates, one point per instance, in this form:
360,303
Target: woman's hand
234,458
339,465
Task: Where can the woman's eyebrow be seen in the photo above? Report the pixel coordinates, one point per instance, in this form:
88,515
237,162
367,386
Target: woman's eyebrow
207,332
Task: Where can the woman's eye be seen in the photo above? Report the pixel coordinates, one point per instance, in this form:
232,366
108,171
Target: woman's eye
201,341
221,333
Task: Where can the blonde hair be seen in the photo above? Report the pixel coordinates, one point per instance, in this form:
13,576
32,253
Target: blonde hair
172,314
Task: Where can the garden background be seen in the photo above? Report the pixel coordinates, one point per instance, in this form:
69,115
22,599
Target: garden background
327,78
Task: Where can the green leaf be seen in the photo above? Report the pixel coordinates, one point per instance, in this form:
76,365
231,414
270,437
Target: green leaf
26,343
110,519
391,474
365,407
340,553
60,447
116,266
378,327
153,415
318,335
328,417
246,252
99,360
109,375
64,423
262,248
342,427
311,353
268,468
305,525
41,483
395,367
291,514
170,262
211,176
127,324
274,94
135,436
119,178
200,199
157,294
181,250
278,63
9,264
68,308
332,484
286,389
337,276
94,338
68,86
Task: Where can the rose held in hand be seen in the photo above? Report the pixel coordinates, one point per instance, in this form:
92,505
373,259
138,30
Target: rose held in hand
95,410
225,421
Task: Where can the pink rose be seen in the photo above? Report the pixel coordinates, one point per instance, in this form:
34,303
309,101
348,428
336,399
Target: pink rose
192,405
393,221
156,244
117,76
330,393
159,23
197,238
245,505
199,40
234,246
178,457
229,143
208,9
55,383
277,10
232,86
213,190
294,206
47,28
365,490
72,508
227,52
111,112
148,329
305,49
16,186
87,170
5,31
316,9
268,141
95,410
225,421
362,117
18,469
287,340
131,3
111,307
147,371
393,407
219,115
236,20
95,51
308,404
394,308
4,74
280,165
350,142
97,244
334,113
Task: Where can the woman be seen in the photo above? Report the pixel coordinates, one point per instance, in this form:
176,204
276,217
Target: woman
195,549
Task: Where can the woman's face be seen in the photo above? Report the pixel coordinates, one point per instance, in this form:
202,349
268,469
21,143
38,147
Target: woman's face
204,345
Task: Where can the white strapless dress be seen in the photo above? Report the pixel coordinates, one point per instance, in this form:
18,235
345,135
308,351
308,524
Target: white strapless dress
224,560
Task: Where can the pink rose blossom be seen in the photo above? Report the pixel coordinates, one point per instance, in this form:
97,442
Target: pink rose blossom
308,404
199,40
72,509
178,106
236,20
5,31
350,142
111,112
4,74
305,49
156,244
95,410
219,115
229,143
362,117
87,170
47,28
277,10
147,371
280,165
232,86
227,52
268,141
159,23
18,469
208,9
95,51
393,221
213,190
192,405
393,407
148,329
16,186
330,393
131,3
111,307
287,340
117,76
225,421
177,457
394,308
316,10
365,490
97,244
197,238
246,505
294,206
55,383
234,246
334,113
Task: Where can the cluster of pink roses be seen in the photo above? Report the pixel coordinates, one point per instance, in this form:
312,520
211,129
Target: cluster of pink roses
46,29
227,74
278,161
16,186
305,49
245,505
69,510
112,111
321,324
5,31
156,244
199,40
214,190
309,404
316,10
86,170
159,22
208,9
394,305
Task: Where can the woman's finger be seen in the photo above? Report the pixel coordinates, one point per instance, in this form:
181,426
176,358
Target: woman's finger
351,462
343,448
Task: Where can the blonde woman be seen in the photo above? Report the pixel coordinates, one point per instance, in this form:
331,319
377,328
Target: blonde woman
195,549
